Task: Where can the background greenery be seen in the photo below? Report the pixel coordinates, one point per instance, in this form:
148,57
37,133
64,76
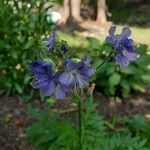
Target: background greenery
22,25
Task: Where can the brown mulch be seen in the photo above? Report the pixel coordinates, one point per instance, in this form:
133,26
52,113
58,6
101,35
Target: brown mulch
14,115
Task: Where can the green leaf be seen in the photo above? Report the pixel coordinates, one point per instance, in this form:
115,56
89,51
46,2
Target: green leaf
18,88
50,100
112,90
125,88
111,69
146,78
114,79
138,87
14,54
95,43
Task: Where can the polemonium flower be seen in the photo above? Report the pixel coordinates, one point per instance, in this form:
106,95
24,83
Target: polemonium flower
125,51
43,76
45,80
77,74
49,43
63,48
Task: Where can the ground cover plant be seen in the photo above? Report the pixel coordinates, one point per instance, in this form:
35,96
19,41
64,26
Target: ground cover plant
51,132
62,74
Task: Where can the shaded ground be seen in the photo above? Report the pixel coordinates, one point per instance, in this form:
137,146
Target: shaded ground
14,117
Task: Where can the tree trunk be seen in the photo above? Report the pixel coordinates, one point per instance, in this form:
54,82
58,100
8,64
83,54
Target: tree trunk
71,10
75,10
66,12
101,12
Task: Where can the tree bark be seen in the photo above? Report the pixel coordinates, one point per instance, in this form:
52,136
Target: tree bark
75,10
101,12
71,10
66,12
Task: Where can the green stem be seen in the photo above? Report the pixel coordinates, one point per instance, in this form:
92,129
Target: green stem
109,56
80,124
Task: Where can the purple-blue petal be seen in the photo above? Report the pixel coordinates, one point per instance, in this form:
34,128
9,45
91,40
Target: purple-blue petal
46,66
60,93
40,82
66,78
128,45
39,67
86,71
112,31
125,33
110,40
49,43
49,89
57,75
121,60
63,48
70,65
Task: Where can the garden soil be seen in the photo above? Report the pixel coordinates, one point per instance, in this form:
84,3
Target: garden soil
14,116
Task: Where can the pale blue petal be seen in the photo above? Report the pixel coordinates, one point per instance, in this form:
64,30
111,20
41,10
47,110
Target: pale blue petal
81,80
121,60
86,60
131,56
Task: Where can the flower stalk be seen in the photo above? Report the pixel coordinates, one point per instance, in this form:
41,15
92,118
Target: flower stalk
108,58
80,123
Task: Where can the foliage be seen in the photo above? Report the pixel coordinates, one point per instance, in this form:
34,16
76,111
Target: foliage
129,15
22,25
139,127
120,82
51,132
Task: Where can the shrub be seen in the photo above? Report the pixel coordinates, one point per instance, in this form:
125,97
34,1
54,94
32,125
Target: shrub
22,25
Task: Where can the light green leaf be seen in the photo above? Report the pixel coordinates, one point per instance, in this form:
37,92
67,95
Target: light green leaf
138,87
114,79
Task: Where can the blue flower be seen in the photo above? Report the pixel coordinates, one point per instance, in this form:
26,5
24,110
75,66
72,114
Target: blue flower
45,80
77,74
63,48
125,51
49,43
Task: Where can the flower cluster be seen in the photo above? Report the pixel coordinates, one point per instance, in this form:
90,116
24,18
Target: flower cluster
124,47
73,76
